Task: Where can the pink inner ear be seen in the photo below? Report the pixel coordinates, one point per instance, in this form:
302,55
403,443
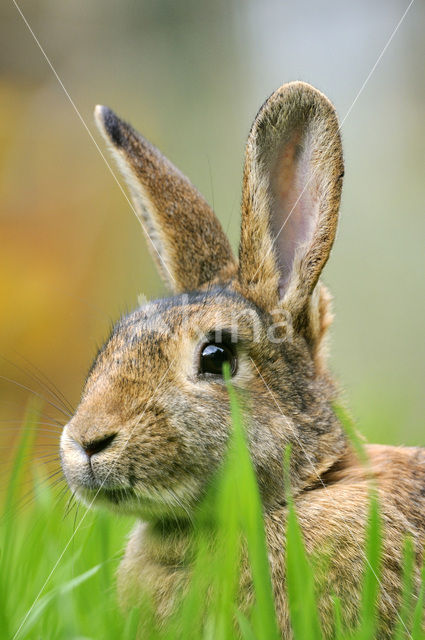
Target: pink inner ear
295,211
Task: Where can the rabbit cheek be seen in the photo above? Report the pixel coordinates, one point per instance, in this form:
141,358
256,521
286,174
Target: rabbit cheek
152,457
203,425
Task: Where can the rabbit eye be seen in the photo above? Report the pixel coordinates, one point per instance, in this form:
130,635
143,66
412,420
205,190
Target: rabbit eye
214,355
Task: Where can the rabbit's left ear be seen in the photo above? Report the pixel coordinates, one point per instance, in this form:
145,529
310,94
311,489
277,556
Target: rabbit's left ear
184,235
291,194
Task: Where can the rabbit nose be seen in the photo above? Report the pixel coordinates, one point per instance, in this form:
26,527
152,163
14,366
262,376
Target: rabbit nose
98,445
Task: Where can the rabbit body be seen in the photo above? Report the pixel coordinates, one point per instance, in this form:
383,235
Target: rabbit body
332,518
154,418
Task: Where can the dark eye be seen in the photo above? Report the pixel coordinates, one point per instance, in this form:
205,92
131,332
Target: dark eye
214,356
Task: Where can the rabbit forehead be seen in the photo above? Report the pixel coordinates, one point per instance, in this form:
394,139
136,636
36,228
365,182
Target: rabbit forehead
189,314
151,338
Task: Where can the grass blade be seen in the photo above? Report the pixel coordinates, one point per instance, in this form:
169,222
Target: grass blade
264,615
299,575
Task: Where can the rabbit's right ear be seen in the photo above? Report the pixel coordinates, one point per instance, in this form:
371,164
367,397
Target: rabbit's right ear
292,186
184,235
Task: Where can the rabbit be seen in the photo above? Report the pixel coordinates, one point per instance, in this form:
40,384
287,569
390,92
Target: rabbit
153,422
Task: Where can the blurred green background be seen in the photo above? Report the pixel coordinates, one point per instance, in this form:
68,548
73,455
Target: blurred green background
190,75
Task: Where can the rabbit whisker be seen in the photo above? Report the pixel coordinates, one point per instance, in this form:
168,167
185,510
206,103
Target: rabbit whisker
38,395
48,384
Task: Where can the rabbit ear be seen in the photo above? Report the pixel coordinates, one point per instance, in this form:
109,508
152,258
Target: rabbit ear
186,239
291,194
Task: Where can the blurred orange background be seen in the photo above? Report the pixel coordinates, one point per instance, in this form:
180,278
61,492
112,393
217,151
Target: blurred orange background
191,76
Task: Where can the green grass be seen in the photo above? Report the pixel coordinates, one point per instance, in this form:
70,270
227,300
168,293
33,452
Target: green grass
57,573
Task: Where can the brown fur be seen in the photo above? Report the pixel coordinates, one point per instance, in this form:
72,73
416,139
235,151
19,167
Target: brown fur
168,424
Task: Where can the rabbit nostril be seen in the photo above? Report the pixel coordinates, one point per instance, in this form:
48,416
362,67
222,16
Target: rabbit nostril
95,446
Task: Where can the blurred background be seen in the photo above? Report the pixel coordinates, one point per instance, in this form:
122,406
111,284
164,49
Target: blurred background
190,76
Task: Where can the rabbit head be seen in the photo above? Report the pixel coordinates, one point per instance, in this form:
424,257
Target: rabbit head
153,421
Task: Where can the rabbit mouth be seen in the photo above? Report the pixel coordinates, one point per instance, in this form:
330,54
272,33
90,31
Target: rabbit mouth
127,501
123,498
93,493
